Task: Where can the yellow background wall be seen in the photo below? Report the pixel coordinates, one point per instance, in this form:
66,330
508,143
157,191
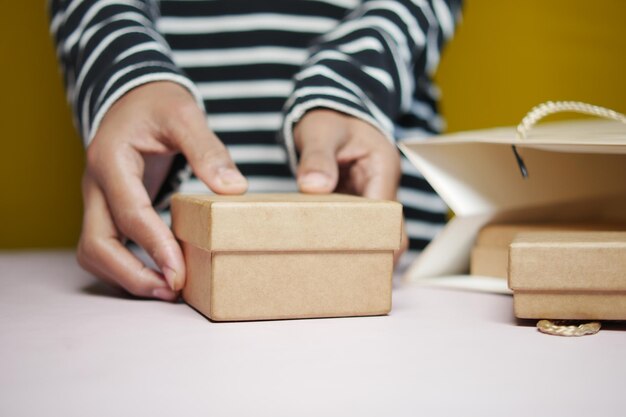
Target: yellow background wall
507,57
511,55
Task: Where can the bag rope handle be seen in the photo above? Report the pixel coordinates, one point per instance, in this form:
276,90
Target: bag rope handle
551,107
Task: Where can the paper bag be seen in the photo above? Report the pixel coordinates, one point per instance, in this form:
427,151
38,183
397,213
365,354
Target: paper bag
576,172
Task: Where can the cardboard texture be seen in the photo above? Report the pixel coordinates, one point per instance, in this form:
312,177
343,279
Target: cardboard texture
577,173
284,256
490,254
569,275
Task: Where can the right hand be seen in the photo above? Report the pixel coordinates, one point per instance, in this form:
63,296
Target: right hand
150,123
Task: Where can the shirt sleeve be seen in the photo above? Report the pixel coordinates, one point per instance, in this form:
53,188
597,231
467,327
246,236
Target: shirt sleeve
371,63
106,48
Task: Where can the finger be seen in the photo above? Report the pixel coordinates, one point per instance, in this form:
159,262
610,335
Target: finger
385,173
133,214
317,171
207,155
382,184
101,252
319,136
374,167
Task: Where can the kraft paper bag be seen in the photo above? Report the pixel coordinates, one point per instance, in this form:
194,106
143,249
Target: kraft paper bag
575,171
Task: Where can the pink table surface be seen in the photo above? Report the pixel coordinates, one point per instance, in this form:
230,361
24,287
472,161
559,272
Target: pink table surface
72,346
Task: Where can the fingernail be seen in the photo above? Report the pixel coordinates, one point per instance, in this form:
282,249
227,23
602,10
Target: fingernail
163,294
170,277
315,180
231,176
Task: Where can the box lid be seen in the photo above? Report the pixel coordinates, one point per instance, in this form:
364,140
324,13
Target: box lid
289,222
568,261
501,235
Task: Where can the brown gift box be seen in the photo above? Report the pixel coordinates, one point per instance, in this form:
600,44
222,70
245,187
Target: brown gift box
490,254
569,275
285,256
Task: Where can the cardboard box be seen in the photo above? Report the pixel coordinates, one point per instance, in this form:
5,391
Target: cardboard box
285,256
576,173
490,254
569,275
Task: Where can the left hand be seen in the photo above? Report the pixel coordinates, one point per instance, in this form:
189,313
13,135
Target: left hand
342,153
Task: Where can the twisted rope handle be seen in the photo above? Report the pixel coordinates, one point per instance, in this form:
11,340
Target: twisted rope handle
550,107
558,329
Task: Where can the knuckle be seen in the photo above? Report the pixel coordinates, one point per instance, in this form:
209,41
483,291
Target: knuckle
82,258
86,252
137,285
141,225
391,156
186,110
98,159
180,117
89,255
129,221
92,156
316,155
212,158
216,153
134,287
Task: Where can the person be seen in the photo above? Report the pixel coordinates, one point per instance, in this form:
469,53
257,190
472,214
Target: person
192,95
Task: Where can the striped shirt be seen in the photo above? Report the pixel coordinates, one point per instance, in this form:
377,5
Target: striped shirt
257,66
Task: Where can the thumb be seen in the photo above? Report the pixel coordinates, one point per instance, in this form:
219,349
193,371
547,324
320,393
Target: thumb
318,138
318,171
208,157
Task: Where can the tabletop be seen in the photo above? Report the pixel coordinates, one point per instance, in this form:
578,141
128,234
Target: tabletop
72,346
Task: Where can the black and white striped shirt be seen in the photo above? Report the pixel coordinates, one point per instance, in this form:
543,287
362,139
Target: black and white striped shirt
257,66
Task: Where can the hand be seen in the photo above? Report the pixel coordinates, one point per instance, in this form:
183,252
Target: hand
345,154
139,135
